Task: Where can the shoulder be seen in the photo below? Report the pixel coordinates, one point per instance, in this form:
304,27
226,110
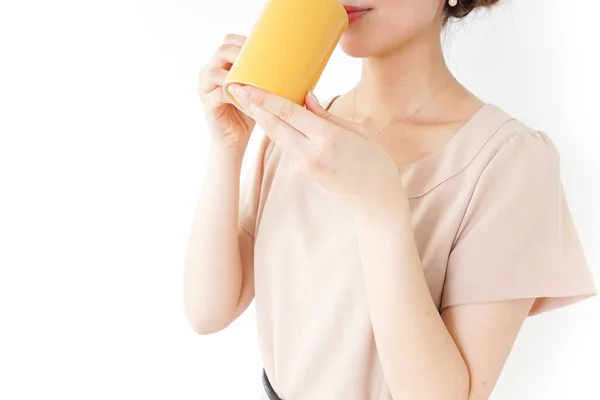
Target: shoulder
492,140
515,145
517,164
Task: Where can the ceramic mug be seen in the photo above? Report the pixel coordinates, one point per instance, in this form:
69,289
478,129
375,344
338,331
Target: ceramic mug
289,47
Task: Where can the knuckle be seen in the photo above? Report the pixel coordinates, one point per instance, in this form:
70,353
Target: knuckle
202,79
213,72
214,98
224,48
202,74
314,162
327,143
285,111
206,101
271,126
327,115
233,38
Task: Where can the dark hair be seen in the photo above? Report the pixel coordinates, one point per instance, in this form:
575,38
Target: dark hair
465,7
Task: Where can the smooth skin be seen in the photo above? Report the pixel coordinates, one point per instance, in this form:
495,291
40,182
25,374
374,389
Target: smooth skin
219,275
458,354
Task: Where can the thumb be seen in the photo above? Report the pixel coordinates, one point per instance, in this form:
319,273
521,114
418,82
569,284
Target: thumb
313,105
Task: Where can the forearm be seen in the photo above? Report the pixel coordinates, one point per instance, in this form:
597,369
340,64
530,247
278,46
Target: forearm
213,270
419,358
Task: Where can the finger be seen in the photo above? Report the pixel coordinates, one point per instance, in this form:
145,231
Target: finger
287,137
237,40
231,89
313,105
225,55
214,99
212,79
214,74
286,110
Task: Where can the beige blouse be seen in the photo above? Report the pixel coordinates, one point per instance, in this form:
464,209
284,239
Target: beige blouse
490,221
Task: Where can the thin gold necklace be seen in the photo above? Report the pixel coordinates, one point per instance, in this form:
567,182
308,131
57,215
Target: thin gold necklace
405,118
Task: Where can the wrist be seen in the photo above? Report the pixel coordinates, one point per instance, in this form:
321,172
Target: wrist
392,211
221,150
226,155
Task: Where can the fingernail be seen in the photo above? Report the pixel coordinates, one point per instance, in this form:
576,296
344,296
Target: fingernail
243,95
313,97
233,88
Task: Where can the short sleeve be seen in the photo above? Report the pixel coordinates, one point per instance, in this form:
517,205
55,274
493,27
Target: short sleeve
517,239
255,184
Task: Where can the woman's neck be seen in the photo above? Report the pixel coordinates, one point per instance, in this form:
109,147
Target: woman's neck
394,85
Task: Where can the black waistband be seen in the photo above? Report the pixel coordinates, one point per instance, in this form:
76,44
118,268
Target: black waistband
268,388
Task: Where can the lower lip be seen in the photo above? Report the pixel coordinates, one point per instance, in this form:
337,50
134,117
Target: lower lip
355,15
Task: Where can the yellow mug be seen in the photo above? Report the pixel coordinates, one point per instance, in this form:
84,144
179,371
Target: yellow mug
289,47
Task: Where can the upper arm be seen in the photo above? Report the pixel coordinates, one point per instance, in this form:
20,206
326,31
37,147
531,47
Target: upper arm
516,254
517,239
484,334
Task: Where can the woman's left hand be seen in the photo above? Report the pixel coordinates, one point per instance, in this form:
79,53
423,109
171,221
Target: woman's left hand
333,151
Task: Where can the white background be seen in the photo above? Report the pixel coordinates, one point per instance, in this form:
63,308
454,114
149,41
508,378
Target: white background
103,151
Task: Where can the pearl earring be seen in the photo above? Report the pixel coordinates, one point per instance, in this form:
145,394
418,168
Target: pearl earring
452,3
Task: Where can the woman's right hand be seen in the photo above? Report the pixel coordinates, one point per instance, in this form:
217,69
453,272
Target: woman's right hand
227,125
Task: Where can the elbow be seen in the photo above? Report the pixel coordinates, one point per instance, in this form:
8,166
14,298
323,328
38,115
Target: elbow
205,321
204,315
204,330
206,326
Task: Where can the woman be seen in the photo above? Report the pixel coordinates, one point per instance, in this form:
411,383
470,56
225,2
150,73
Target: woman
396,238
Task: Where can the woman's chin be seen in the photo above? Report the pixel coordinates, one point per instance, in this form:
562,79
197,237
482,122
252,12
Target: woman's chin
357,47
